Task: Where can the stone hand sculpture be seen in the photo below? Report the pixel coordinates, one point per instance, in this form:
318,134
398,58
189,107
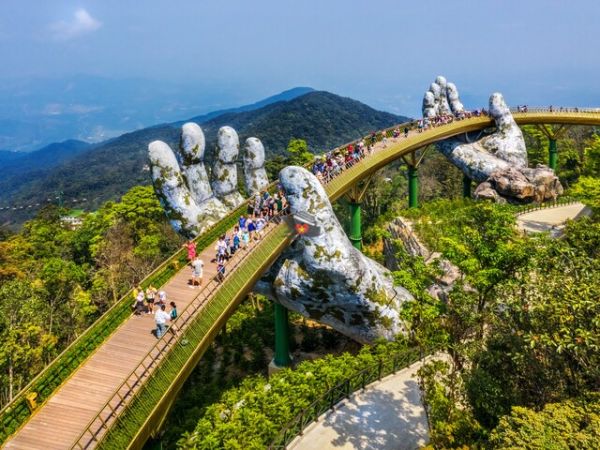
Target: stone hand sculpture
325,278
498,161
192,202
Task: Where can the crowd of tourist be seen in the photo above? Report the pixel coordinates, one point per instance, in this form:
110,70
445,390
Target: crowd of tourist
146,301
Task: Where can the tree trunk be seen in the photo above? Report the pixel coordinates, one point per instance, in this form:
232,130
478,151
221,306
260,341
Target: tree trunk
10,380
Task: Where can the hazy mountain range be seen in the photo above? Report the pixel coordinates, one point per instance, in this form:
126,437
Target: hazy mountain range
35,112
89,174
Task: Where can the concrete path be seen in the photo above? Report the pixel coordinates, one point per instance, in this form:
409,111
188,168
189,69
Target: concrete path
551,219
388,414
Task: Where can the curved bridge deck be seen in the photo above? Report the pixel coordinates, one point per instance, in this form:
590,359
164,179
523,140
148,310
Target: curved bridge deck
120,395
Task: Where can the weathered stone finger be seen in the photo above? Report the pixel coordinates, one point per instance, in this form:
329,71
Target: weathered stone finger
429,105
173,194
443,106
224,183
255,174
454,99
192,146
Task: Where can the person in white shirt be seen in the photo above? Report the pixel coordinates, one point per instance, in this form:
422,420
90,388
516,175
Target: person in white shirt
161,317
197,266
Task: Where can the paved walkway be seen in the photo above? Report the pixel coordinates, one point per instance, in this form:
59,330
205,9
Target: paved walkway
388,414
551,219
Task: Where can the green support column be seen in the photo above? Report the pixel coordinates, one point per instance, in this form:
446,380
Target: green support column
553,154
413,187
282,337
355,225
466,187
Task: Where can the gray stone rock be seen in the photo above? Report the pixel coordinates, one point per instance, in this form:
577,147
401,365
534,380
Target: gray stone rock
401,233
224,183
327,279
255,174
524,185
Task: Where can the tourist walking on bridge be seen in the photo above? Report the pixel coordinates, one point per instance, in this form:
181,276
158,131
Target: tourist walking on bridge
191,250
161,317
197,269
173,315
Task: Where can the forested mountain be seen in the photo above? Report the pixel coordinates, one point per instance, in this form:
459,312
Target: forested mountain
109,169
19,163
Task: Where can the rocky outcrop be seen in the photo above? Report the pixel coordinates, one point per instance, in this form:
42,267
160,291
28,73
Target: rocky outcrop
327,279
401,233
497,160
524,185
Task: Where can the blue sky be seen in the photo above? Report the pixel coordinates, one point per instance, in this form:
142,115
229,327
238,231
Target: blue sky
384,53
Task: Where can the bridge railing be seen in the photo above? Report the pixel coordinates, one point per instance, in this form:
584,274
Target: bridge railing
342,390
562,201
553,109
125,413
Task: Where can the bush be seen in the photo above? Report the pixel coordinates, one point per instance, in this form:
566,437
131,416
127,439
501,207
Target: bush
566,425
252,414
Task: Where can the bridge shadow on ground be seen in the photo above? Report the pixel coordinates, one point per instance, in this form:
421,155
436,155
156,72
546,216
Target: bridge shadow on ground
388,416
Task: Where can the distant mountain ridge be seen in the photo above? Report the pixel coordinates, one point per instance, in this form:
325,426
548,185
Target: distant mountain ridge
284,96
107,170
48,156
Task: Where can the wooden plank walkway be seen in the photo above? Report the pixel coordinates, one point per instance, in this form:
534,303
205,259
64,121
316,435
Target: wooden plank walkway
58,423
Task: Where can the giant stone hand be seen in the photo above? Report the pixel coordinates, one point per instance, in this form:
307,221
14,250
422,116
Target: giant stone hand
191,203
325,278
497,161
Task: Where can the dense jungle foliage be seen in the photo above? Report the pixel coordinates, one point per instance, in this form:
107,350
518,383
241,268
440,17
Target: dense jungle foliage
55,281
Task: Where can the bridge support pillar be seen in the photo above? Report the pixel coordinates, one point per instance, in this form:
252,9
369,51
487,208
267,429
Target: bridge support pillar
467,186
553,133
355,225
282,356
413,187
552,154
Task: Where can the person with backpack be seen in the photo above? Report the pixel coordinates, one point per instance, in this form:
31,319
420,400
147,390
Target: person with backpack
173,315
220,270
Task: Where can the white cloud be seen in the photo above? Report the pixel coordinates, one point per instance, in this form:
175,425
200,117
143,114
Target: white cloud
81,23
